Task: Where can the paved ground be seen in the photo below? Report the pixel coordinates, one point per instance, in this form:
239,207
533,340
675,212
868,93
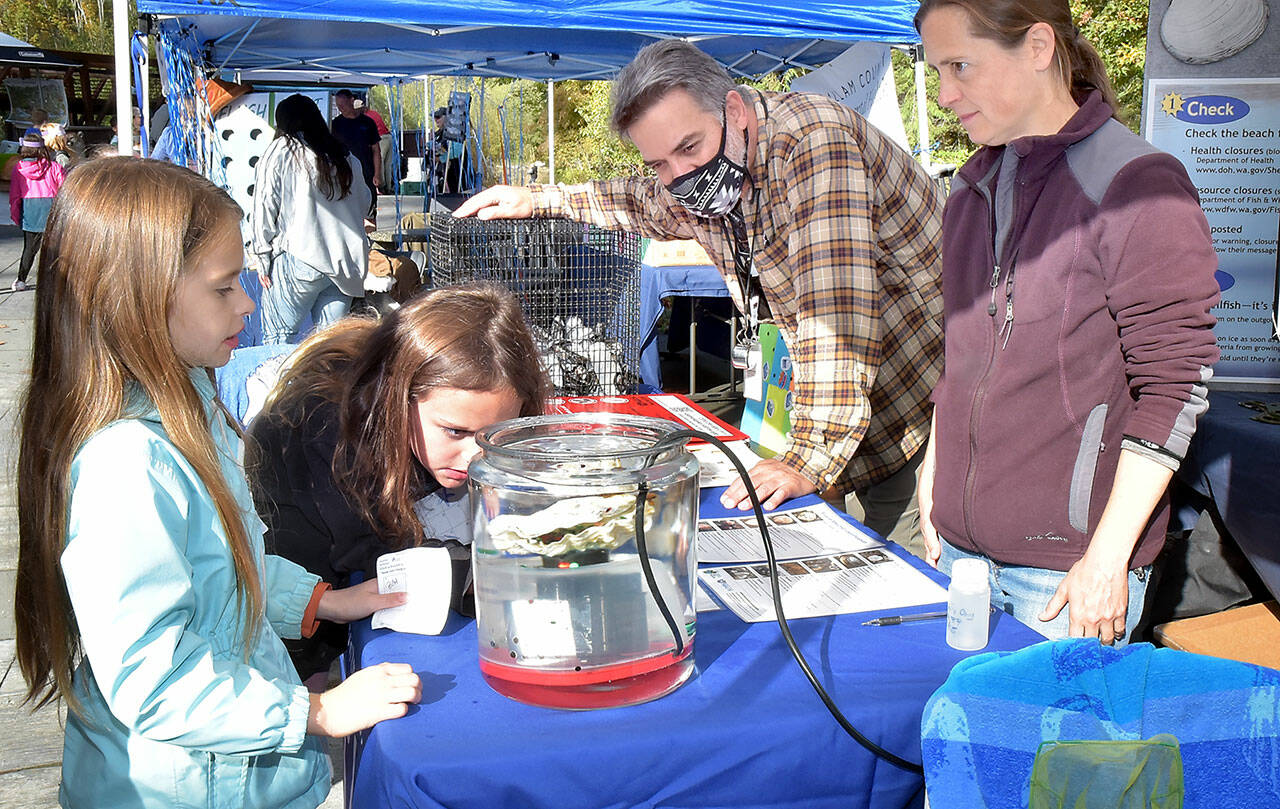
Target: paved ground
30,744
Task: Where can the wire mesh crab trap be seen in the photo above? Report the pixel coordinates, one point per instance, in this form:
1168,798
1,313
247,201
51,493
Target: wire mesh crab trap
579,286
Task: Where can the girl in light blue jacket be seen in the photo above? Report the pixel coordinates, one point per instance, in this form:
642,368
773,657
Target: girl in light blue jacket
144,598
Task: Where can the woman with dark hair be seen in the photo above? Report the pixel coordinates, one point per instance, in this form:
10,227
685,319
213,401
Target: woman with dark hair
307,223
1065,405
364,448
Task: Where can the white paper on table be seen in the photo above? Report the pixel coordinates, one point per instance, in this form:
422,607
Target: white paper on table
716,470
690,415
703,602
795,532
831,584
426,574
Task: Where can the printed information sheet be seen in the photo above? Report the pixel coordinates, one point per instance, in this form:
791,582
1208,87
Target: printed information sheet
1225,133
426,574
831,584
796,532
714,469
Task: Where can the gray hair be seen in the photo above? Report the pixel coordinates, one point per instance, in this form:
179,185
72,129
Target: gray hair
661,67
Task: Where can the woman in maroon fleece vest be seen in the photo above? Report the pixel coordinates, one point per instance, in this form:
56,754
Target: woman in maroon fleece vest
1069,397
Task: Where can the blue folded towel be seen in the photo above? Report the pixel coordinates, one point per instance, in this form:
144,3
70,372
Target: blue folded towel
980,730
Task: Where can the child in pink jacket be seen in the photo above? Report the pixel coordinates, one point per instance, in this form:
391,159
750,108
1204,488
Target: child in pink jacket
35,181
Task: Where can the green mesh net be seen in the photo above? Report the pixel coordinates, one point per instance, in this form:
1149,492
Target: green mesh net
1137,774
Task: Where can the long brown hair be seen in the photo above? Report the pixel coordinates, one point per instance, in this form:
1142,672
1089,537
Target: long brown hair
471,337
121,233
1007,22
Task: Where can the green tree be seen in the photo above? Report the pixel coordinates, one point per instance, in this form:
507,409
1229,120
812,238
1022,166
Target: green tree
68,25
1117,28
501,109
586,148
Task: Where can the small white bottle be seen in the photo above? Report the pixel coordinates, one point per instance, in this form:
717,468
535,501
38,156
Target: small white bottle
968,605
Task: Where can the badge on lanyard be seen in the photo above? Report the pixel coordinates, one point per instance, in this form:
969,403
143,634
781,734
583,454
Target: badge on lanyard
748,356
753,376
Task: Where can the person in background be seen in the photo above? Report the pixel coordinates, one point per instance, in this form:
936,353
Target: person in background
1068,401
39,117
307,224
55,140
137,132
168,138
35,182
144,600
359,134
384,142
439,148
448,156
818,223
164,146
159,122
364,448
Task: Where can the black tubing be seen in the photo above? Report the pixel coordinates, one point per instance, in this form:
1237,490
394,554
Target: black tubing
841,719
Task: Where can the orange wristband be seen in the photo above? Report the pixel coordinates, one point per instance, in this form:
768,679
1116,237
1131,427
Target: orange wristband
310,623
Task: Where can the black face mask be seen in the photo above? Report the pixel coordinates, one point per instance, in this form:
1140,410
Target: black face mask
713,188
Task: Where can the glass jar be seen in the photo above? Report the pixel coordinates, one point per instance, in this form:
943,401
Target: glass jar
575,607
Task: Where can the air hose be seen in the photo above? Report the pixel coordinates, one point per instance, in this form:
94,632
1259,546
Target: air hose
673,438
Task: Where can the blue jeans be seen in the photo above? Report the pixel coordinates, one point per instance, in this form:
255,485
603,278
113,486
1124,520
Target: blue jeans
298,289
1024,592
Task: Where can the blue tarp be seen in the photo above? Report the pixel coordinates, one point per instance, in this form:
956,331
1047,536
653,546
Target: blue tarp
534,39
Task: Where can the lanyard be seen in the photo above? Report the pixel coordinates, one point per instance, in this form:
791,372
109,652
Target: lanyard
757,308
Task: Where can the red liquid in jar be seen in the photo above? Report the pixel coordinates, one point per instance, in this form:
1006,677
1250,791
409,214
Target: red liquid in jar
629,683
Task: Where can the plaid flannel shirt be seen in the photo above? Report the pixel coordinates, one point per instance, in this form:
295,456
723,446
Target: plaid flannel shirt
846,234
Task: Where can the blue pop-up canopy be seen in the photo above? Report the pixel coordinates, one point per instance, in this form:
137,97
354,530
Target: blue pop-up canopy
334,40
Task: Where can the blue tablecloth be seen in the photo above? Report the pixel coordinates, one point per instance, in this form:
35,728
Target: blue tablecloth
746,731
1233,460
656,283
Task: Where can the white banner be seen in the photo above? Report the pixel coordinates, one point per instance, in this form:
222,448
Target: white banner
861,78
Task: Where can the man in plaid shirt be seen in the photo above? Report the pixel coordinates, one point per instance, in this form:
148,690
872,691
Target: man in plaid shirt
818,223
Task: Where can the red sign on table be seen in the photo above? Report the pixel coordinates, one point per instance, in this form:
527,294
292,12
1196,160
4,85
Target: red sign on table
670,406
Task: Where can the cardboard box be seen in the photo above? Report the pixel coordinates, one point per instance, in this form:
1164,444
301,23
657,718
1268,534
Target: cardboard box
1249,634
680,253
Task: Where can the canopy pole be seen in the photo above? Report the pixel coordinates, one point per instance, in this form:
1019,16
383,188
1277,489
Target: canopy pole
551,130
922,110
479,141
428,151
145,79
124,111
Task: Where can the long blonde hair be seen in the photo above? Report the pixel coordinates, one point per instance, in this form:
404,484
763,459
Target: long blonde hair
120,235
